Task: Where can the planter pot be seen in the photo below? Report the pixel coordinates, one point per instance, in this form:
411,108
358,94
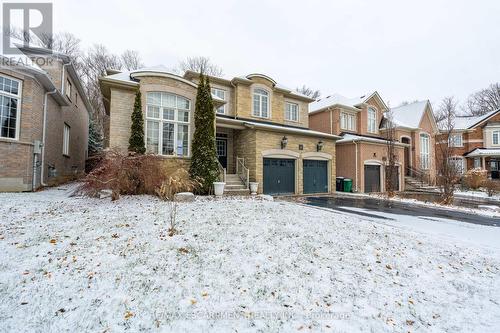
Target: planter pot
219,188
254,187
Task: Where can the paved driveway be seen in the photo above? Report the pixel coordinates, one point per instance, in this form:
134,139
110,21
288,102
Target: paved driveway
375,208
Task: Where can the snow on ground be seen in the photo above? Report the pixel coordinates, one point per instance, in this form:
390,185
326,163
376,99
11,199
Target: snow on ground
476,194
78,264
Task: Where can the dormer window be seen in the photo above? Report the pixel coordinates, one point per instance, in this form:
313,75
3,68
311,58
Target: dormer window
261,103
372,120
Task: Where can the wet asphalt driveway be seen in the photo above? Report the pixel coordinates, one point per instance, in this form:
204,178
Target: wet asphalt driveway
372,207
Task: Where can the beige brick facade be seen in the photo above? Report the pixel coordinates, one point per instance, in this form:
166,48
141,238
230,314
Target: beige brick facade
250,144
18,170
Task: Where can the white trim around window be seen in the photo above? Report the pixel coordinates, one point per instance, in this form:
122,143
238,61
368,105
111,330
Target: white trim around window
167,125
291,111
425,144
458,162
261,103
66,139
455,140
372,120
10,107
348,121
495,138
221,93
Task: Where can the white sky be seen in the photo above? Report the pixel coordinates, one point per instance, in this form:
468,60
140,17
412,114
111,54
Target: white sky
406,50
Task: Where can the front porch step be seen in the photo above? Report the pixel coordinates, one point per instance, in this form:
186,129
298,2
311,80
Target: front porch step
234,186
236,191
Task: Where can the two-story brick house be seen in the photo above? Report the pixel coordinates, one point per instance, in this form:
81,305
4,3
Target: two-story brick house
475,142
415,125
362,151
262,127
44,118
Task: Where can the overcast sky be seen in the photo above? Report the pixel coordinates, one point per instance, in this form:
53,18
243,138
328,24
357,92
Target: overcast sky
406,50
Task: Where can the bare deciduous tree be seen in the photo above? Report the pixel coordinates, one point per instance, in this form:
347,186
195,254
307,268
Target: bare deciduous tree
131,60
484,100
391,170
201,65
448,173
305,90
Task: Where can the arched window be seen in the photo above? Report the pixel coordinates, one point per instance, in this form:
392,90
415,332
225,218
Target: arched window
167,124
260,103
424,151
372,120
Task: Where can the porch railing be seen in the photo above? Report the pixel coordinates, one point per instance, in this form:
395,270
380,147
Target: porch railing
242,171
222,172
422,176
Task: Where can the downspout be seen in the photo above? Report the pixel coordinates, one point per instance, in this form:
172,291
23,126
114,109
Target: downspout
356,153
44,134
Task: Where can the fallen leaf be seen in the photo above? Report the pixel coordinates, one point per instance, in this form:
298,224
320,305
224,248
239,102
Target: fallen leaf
53,241
128,315
193,301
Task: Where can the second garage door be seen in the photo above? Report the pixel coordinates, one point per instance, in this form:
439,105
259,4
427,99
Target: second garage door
279,176
315,176
372,178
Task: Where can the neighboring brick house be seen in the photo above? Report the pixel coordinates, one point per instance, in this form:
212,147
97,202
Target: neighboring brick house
44,119
262,132
362,151
475,142
417,127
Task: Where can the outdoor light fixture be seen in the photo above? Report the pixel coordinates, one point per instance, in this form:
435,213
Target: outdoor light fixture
284,141
319,146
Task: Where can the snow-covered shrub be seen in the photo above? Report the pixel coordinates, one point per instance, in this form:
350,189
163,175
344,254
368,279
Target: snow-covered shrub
127,174
475,178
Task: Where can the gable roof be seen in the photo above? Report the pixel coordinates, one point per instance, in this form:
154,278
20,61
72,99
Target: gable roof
337,99
410,115
469,122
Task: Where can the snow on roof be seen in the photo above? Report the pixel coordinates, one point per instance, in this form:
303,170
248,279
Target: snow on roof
336,99
352,137
409,115
466,122
484,152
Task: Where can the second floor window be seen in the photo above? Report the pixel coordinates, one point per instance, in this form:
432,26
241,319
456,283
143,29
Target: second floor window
372,120
424,151
455,140
10,93
222,95
495,137
291,111
167,124
347,121
260,103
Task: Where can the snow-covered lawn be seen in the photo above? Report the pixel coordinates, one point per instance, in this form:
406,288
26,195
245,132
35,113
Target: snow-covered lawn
238,265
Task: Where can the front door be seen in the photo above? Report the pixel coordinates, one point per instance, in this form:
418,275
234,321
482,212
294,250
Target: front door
221,145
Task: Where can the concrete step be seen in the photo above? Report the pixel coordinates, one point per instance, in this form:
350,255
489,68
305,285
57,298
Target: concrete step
236,192
235,187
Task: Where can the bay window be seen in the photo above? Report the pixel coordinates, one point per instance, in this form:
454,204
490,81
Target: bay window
260,103
167,124
372,120
347,121
291,111
10,95
424,151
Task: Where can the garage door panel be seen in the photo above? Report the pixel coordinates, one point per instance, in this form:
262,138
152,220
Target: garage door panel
279,176
372,178
315,176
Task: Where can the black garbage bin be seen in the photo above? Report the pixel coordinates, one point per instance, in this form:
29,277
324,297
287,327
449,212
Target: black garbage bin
339,184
